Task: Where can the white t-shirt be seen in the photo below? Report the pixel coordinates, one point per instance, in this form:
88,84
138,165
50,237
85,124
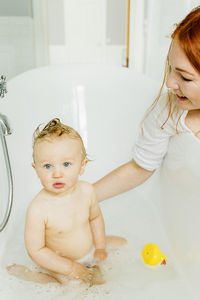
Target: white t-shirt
152,143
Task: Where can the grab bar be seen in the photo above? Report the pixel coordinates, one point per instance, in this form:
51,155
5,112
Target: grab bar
6,130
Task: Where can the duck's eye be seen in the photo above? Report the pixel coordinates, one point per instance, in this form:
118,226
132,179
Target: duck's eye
66,164
47,166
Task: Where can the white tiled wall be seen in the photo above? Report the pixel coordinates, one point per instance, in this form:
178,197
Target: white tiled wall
16,45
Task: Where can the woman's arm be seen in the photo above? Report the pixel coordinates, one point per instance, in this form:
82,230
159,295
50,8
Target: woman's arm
120,180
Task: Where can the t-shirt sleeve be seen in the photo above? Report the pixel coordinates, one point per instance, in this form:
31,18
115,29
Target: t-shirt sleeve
152,143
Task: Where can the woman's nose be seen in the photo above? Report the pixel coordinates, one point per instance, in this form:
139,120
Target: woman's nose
172,82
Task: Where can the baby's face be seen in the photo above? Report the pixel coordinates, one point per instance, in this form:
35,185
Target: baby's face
58,163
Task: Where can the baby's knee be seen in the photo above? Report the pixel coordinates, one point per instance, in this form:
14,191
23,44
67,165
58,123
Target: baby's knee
112,240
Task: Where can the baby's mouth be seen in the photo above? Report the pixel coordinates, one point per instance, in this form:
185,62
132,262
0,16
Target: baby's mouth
58,185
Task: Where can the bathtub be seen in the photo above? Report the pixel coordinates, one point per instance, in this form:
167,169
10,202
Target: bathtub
105,104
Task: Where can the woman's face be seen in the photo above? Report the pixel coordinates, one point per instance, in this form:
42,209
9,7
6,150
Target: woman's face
183,79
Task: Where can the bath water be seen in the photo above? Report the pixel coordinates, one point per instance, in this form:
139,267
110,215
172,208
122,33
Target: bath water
124,271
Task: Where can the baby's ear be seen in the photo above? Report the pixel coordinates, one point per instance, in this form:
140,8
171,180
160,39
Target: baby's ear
84,163
33,165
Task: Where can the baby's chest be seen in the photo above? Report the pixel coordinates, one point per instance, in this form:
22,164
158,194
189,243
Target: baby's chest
67,218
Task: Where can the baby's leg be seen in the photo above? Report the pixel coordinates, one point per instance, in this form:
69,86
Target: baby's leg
62,279
95,279
26,274
112,240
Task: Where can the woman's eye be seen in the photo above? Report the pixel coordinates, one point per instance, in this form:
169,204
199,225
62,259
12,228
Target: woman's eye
47,166
66,164
185,79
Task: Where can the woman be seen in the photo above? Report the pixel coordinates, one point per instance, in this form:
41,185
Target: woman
170,139
171,113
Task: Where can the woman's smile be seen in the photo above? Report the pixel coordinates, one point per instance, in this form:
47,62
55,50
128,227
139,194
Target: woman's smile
181,98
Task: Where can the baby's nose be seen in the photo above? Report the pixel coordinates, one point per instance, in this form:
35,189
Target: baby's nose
57,173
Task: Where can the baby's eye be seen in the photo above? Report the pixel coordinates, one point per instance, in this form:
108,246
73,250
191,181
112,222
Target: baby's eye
66,164
47,166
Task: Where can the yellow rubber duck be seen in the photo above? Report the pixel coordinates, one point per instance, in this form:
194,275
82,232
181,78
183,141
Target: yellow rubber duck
152,256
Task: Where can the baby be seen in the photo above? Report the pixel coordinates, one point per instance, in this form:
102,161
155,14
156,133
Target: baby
64,231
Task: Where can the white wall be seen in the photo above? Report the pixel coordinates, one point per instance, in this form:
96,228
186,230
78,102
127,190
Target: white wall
16,45
16,37
87,31
56,23
152,22
161,17
94,31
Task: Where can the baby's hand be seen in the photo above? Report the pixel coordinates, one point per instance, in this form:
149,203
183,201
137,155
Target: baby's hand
80,272
100,254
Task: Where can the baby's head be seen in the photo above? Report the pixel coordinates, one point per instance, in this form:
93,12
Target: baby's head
59,156
55,129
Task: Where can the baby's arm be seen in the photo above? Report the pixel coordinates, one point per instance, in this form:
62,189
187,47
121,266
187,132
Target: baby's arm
97,228
42,255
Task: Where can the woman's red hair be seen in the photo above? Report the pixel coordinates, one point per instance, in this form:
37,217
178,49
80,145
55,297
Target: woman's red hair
187,33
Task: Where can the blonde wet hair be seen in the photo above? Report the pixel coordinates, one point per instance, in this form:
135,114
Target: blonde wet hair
55,129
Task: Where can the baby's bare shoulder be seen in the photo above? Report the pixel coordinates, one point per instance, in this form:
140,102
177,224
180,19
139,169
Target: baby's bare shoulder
86,186
87,189
38,203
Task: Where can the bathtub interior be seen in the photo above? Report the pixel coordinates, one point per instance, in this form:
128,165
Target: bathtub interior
105,104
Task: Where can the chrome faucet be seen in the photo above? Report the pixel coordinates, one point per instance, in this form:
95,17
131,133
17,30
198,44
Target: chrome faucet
5,125
3,89
6,129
